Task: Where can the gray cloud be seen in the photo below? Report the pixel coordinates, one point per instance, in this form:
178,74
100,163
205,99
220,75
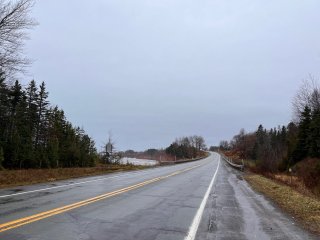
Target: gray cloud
154,70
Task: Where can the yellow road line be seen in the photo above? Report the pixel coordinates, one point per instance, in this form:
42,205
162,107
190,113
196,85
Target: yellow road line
36,217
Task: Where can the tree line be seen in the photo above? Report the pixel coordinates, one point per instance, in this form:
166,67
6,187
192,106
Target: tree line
280,148
187,147
34,134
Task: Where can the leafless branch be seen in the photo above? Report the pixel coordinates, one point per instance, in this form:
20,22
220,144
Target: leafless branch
14,21
307,95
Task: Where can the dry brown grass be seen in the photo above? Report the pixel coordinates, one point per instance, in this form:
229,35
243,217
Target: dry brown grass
293,182
305,208
10,178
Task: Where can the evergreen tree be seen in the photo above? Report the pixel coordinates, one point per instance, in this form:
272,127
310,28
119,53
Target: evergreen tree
4,110
33,134
292,138
15,140
1,158
42,105
32,109
56,122
15,97
303,143
314,150
41,126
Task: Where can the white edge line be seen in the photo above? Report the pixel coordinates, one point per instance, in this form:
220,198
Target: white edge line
197,218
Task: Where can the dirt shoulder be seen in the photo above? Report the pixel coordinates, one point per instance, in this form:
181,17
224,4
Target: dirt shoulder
12,178
304,208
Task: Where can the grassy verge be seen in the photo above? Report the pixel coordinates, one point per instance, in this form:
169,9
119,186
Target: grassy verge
304,208
11,178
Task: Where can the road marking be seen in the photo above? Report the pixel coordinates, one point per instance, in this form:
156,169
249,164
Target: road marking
72,184
36,217
197,218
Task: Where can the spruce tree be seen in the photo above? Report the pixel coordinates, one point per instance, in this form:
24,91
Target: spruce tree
1,158
41,126
4,109
303,144
32,108
314,150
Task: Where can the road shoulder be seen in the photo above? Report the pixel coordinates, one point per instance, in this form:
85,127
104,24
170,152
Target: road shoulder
304,208
235,211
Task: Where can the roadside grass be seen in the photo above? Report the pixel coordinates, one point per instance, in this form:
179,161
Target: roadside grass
304,208
292,180
11,178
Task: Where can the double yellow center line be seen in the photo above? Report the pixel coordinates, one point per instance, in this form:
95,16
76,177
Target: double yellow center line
33,218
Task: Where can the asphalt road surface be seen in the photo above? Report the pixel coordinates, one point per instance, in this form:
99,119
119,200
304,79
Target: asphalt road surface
205,199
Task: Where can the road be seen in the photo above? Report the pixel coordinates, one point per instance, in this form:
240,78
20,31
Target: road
205,199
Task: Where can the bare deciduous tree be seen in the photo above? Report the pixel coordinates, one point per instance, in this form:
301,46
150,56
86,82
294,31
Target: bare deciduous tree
307,95
14,21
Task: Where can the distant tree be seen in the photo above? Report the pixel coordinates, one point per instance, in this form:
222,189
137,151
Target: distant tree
224,145
186,147
130,153
151,152
200,143
214,148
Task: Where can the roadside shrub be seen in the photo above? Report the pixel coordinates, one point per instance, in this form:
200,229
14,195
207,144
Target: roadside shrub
309,171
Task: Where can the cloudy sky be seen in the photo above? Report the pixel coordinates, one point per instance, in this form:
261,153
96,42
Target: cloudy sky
153,70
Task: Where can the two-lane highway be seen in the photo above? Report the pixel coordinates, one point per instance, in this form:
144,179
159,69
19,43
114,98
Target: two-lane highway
159,203
199,200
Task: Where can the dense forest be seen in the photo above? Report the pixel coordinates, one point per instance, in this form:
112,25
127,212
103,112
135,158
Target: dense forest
34,134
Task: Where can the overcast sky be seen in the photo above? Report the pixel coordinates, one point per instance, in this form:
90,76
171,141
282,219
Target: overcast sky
153,70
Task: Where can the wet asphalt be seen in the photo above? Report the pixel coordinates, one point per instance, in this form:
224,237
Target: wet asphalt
235,211
161,210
